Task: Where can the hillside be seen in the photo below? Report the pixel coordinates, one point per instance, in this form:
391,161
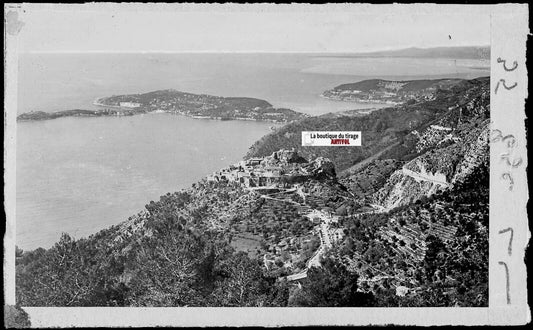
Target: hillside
447,149
435,250
401,221
191,239
388,130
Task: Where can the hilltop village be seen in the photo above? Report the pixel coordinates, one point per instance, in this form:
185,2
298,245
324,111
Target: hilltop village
292,210
281,170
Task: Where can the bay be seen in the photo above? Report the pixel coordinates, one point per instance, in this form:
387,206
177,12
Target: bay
80,175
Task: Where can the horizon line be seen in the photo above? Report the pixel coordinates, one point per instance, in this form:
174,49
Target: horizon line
233,51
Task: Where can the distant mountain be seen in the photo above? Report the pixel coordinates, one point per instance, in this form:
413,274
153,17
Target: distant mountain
459,52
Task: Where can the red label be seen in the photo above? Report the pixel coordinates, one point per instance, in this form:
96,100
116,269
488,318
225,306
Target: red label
340,141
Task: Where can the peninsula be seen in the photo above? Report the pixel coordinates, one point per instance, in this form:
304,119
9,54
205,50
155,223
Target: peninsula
203,106
388,91
200,106
41,115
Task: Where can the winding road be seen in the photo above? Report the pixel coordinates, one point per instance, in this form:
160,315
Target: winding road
325,243
420,177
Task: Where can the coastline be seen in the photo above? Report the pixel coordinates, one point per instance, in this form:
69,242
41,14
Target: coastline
99,104
122,111
360,100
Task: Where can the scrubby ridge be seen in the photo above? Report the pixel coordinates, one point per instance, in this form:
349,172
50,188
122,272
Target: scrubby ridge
430,253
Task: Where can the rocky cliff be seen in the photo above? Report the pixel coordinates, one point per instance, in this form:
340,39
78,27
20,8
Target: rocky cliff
449,150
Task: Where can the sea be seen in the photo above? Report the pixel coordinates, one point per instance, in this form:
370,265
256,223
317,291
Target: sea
80,175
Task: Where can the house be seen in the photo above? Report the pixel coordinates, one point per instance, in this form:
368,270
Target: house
129,104
254,161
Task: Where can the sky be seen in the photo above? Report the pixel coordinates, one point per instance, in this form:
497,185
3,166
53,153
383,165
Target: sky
266,28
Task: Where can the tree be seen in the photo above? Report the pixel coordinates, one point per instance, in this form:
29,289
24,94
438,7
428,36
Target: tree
242,284
61,277
167,269
331,286
433,255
